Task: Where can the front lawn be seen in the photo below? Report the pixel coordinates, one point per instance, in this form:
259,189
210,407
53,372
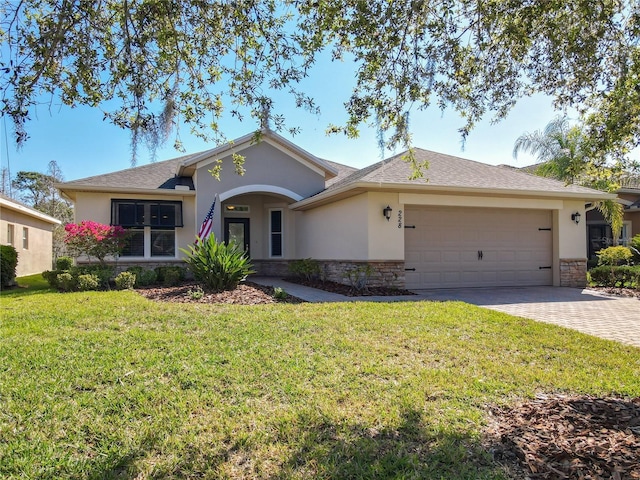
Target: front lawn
112,385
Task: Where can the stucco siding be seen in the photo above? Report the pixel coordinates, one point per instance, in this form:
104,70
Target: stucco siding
264,165
37,257
337,231
572,237
267,170
386,237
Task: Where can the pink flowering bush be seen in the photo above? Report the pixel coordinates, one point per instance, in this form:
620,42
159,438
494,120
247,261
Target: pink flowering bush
95,239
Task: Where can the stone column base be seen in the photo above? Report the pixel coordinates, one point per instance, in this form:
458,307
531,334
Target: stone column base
388,273
380,274
573,272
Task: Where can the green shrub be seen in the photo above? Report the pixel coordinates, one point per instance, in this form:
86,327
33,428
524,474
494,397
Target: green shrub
359,277
51,276
615,276
146,277
217,265
305,268
175,274
125,281
8,264
104,273
88,282
137,269
614,256
196,293
279,293
172,278
64,263
634,246
66,282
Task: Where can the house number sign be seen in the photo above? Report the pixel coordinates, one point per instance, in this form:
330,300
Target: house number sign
399,218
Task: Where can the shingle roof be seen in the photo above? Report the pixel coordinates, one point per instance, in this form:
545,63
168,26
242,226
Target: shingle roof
343,171
157,175
455,172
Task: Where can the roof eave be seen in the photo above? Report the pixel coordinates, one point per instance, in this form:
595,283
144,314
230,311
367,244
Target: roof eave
328,195
28,211
141,191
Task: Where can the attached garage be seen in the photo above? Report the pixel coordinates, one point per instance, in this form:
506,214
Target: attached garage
447,247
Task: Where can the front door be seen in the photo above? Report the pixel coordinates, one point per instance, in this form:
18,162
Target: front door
237,230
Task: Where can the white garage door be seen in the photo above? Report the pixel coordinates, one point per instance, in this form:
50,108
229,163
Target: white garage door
472,247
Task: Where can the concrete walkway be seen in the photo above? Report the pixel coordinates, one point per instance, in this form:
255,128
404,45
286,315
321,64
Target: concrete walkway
613,318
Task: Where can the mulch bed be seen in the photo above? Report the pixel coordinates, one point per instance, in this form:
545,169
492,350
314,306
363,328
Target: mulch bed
616,292
347,290
246,293
568,437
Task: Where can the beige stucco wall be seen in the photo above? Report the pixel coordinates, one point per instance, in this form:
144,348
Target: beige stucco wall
97,207
338,231
572,239
267,170
386,237
352,229
38,256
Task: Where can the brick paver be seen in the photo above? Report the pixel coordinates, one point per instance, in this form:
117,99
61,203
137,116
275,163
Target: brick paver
613,318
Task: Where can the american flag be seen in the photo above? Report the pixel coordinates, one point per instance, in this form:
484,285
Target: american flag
207,224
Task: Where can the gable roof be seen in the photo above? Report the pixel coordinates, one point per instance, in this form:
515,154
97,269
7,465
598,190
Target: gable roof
16,206
163,177
265,135
450,173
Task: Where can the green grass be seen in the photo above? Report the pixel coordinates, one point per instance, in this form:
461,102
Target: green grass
110,385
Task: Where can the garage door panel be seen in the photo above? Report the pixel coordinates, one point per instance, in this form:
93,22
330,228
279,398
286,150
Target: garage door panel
445,243
507,256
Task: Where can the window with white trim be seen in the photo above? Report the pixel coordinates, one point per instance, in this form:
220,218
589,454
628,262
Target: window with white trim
151,225
25,238
10,234
275,232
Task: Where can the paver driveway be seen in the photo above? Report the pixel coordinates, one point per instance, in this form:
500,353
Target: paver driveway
614,318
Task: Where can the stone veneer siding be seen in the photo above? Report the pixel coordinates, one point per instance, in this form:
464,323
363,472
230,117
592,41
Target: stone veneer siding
383,274
573,272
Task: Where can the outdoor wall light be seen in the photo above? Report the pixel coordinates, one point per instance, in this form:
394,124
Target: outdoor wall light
576,217
387,212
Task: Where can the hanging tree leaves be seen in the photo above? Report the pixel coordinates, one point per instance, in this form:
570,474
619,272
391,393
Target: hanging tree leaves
153,64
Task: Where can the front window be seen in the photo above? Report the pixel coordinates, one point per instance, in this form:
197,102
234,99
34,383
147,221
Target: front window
151,226
163,243
135,243
275,241
25,238
10,234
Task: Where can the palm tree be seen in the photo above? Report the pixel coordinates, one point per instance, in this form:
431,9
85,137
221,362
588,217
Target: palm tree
561,154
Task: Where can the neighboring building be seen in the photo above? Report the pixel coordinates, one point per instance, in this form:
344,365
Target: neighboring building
30,233
463,224
599,231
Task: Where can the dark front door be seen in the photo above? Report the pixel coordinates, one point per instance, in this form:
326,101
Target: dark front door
237,230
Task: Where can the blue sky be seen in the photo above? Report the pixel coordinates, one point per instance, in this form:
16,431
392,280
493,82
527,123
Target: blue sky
84,145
